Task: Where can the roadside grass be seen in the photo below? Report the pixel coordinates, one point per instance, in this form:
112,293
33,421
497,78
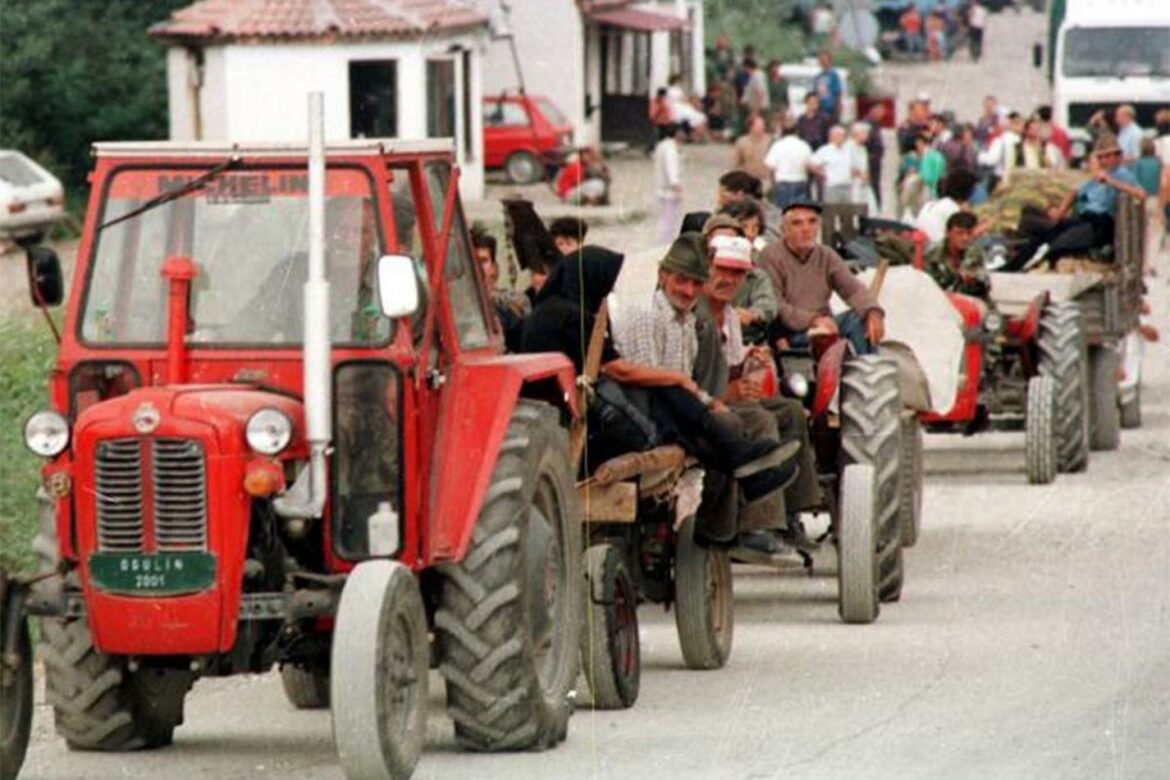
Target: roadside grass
27,352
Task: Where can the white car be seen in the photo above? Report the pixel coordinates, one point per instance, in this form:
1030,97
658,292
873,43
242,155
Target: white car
31,198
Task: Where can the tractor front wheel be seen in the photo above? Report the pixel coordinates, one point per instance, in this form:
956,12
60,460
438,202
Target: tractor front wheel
305,688
16,691
910,490
509,614
857,583
1040,453
1064,357
610,653
704,608
379,668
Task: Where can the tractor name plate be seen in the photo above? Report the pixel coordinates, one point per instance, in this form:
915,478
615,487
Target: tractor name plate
166,574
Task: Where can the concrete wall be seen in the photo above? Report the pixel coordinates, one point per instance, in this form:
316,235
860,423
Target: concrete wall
257,92
549,37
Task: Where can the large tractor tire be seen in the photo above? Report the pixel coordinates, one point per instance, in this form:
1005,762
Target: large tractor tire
378,669
509,617
1040,455
857,599
98,703
1131,410
610,652
704,606
1064,357
1105,417
871,433
16,691
910,489
305,689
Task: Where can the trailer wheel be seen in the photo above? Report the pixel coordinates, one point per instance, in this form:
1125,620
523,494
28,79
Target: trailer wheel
1039,431
610,654
379,668
1064,357
523,168
1104,363
704,608
910,489
16,692
871,433
857,598
305,689
509,616
1131,410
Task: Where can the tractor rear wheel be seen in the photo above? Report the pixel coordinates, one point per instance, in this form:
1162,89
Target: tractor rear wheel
509,616
857,599
910,490
98,703
379,669
610,654
704,607
871,433
1040,431
1104,363
16,694
305,689
1064,357
1131,410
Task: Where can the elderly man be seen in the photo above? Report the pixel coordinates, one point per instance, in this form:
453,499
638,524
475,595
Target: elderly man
737,376
834,165
755,303
666,335
805,274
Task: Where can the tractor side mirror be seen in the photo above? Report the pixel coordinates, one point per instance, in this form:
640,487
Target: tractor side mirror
397,285
44,277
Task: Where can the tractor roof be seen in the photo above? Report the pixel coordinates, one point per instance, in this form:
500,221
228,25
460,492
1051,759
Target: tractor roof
379,146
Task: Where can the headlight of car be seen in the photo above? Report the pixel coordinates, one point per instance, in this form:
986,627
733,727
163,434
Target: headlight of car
993,322
797,385
268,431
47,434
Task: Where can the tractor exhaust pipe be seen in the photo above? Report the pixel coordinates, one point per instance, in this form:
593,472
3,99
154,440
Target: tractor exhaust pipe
306,498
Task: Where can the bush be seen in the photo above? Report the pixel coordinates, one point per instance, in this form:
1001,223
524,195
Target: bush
27,354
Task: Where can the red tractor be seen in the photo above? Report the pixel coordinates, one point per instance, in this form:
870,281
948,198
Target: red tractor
282,433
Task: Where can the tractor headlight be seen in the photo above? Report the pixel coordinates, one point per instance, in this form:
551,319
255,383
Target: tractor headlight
47,434
993,322
268,431
797,384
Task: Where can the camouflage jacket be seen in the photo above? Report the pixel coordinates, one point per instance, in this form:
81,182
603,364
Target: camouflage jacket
969,279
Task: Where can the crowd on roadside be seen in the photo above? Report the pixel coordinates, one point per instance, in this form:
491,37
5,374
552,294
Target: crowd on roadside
941,31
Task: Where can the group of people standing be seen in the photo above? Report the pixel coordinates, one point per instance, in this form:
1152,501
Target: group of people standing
934,34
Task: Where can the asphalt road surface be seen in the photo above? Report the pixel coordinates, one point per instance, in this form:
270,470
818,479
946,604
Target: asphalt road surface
1032,640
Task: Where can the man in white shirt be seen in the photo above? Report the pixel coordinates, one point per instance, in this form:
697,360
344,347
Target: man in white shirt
668,182
788,159
1000,154
833,163
1129,133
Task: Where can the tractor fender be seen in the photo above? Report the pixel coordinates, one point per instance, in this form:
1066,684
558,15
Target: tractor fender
829,376
1025,328
475,408
912,382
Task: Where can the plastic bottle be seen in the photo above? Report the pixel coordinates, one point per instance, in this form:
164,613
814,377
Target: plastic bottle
383,531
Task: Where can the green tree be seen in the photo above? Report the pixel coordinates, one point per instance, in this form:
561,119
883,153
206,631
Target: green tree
73,72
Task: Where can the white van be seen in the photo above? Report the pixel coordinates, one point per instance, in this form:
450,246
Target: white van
1108,53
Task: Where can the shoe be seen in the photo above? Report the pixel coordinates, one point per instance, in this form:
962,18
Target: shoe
768,481
796,537
766,454
757,542
1037,258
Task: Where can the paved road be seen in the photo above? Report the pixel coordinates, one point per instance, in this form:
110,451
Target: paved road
1033,640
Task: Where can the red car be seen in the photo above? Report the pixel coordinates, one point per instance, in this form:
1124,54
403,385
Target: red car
523,135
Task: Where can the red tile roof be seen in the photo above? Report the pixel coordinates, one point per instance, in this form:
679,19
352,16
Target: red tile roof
318,19
593,6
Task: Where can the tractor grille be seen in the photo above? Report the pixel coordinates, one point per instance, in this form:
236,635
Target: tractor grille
180,495
178,492
119,496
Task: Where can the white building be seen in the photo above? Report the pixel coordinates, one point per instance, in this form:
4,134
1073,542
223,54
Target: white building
240,70
600,61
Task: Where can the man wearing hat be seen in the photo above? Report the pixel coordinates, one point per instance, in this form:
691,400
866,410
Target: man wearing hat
755,303
1095,201
805,274
741,385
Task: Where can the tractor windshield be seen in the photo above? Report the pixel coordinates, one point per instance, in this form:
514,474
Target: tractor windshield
247,233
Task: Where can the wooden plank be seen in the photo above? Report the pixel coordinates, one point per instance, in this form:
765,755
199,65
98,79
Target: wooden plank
613,503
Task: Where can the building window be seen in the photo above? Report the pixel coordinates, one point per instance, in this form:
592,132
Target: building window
440,98
468,146
373,99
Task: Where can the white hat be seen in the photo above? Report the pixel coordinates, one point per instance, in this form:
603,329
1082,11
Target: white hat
731,252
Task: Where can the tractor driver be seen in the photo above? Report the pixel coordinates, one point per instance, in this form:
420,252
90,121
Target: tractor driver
957,263
805,274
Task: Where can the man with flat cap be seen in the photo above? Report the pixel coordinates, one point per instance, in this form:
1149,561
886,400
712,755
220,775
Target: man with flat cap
805,274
